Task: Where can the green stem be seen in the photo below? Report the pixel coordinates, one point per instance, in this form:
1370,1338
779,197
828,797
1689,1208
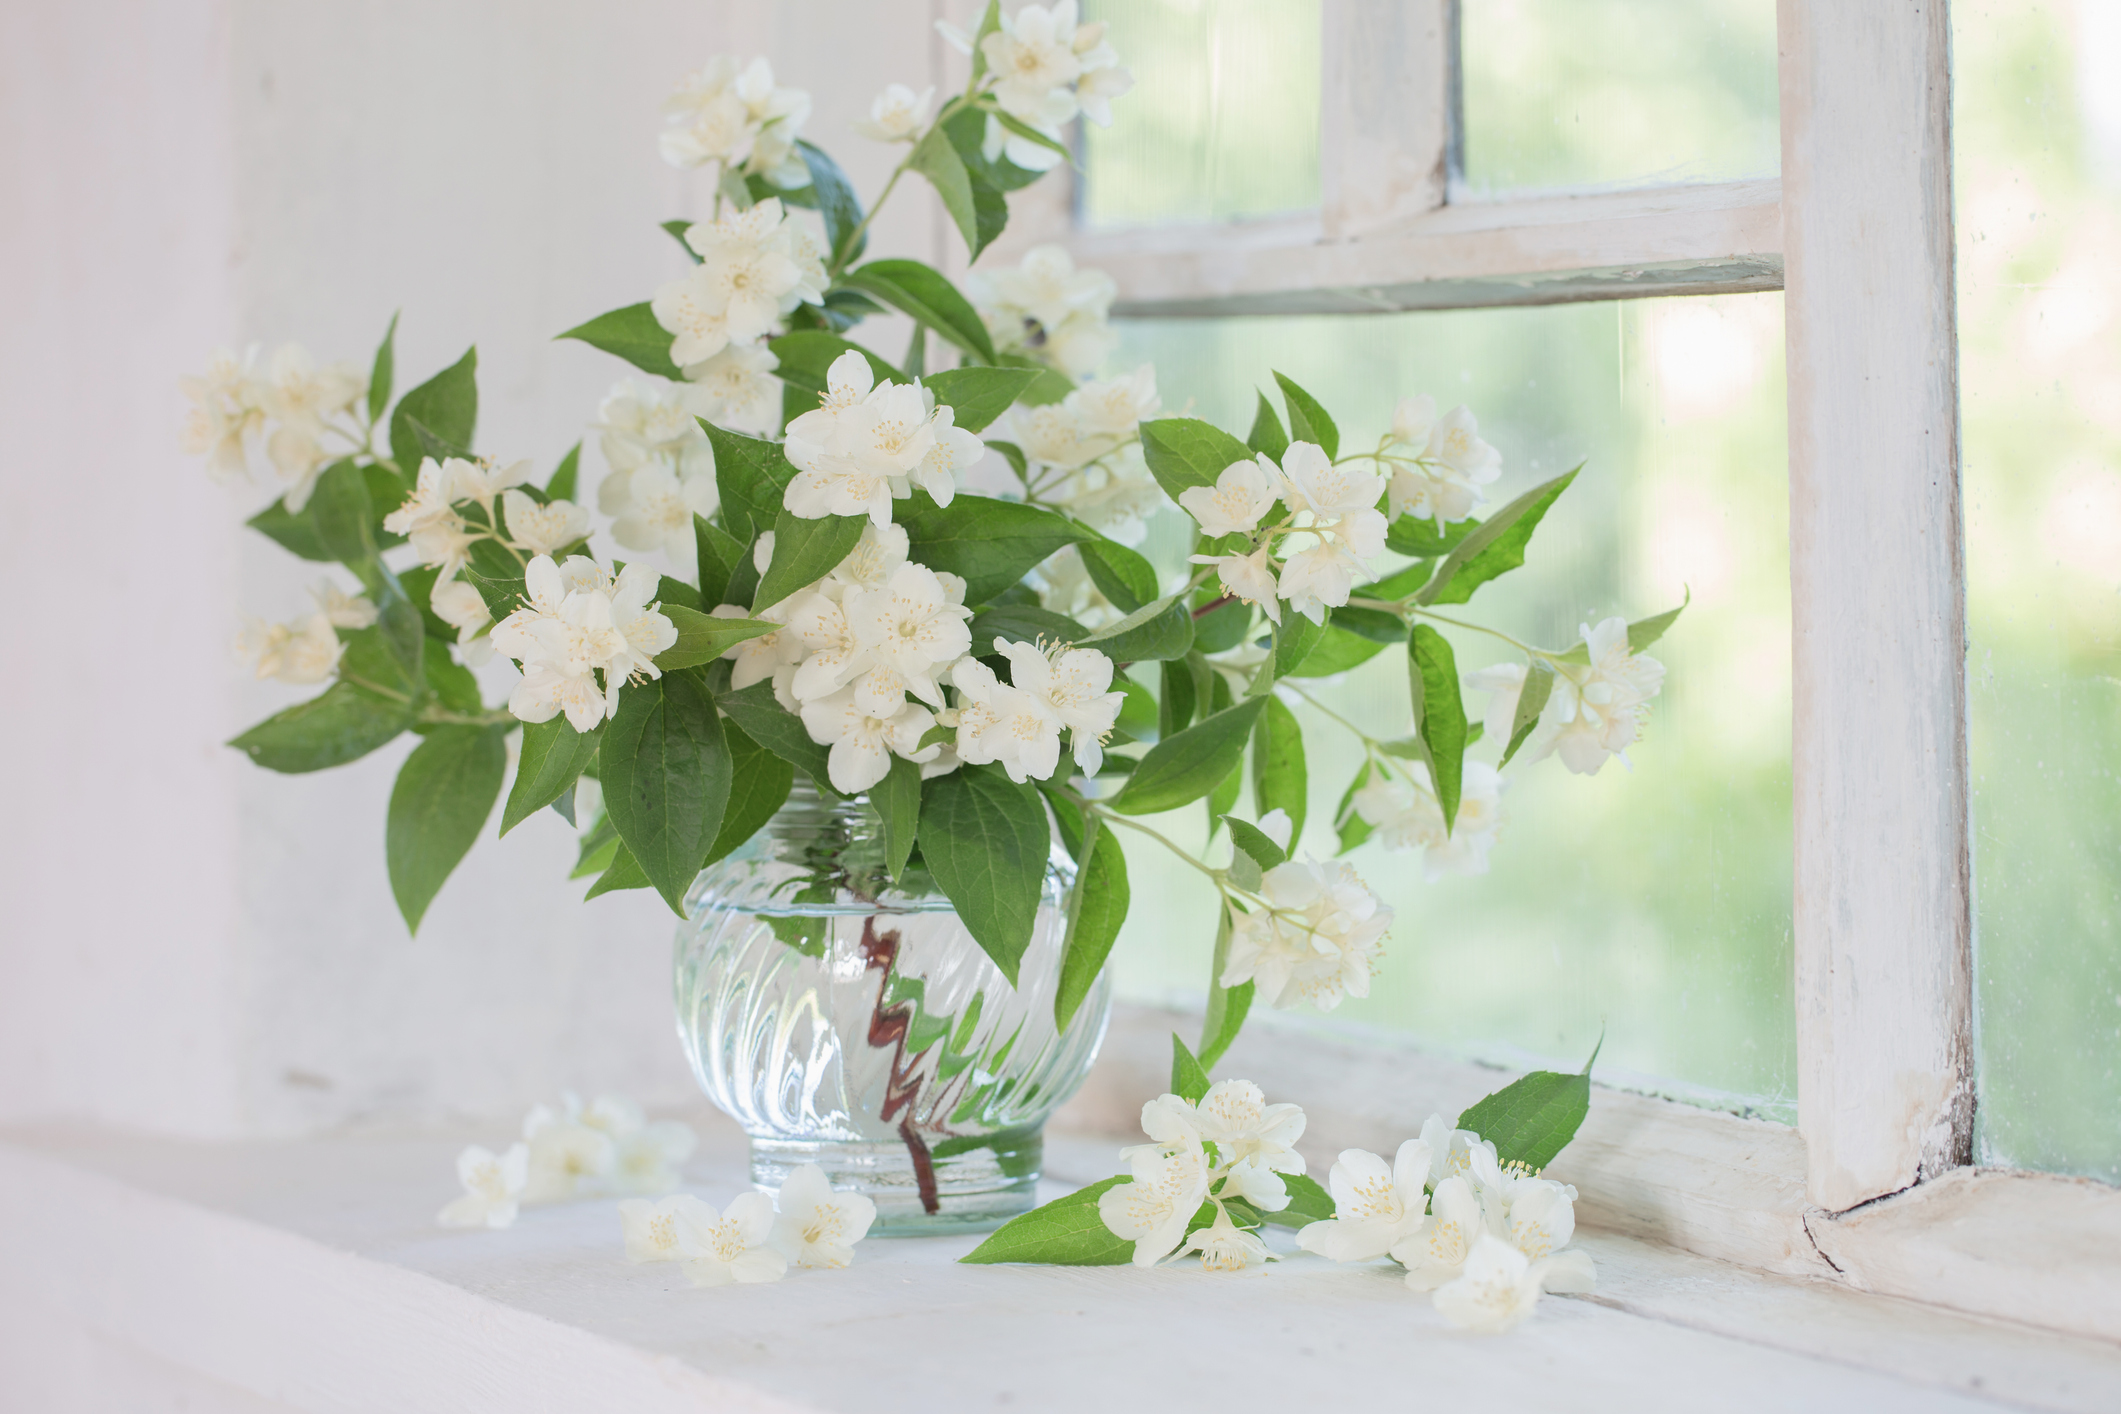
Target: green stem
1524,648
445,717
377,688
1118,819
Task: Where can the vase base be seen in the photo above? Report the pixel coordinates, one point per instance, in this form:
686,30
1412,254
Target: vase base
968,1183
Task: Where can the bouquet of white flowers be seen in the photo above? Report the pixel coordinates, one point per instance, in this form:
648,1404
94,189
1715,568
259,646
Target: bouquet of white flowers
981,669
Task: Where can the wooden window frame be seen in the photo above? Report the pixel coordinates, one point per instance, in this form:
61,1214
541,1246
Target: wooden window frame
1875,1187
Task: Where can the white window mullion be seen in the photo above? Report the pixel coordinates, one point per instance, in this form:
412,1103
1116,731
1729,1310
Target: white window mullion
1882,918
1384,121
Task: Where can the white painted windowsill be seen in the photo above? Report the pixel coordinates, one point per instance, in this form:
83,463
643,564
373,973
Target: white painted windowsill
249,1277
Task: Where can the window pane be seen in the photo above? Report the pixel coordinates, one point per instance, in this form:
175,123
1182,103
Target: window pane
1654,903
1223,119
1573,93
2038,133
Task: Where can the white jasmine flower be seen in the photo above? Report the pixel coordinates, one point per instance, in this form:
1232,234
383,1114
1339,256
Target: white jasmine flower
1597,711
909,633
1451,462
862,744
1073,684
648,1157
1226,1247
748,268
342,609
650,1228
484,479
657,511
1104,79
818,1227
1504,684
1337,506
1248,578
433,495
951,449
770,657
736,389
1375,1206
1455,444
579,620
639,426
1048,309
547,528
1498,1286
1254,1141
1115,493
1407,816
1116,406
733,1245
460,606
304,652
568,1159
739,119
224,411
1170,1182
1000,723
848,450
1054,435
443,545
1316,941
1540,1216
897,115
1436,1251
832,657
494,1185
1033,59
1452,1151
1413,419
875,558
301,393
1064,585
1244,493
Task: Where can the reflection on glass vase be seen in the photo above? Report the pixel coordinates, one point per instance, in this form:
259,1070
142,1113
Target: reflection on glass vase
853,1023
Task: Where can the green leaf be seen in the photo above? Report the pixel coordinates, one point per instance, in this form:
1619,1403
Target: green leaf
382,372
1641,634
967,131
1308,421
1497,547
341,724
1531,701
1308,1202
1181,769
750,474
339,509
623,872
566,476
1068,1232
1227,1006
1439,715
1337,652
444,792
554,754
1531,1120
1225,793
665,768
922,292
369,662
676,593
1138,715
1421,539
719,555
1184,452
779,730
1223,627
836,203
1279,778
295,533
1267,435
985,841
1174,708
452,683
1120,574
804,552
759,782
807,355
977,396
1097,906
897,799
702,638
1256,844
935,158
1188,1080
447,405
1030,134
1022,623
990,544
633,334
677,230
599,847
1147,635
1373,624
1351,827
1296,639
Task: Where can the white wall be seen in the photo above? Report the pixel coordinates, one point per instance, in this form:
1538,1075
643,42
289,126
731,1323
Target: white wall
188,943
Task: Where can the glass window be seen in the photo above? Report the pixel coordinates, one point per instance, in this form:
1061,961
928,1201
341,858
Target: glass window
1575,93
1654,903
1223,119
2038,135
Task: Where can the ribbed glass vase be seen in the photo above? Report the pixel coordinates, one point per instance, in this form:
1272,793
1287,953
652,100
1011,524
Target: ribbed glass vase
852,1022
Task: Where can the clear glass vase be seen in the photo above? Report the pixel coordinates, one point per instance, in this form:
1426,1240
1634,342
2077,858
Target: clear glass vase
853,1023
